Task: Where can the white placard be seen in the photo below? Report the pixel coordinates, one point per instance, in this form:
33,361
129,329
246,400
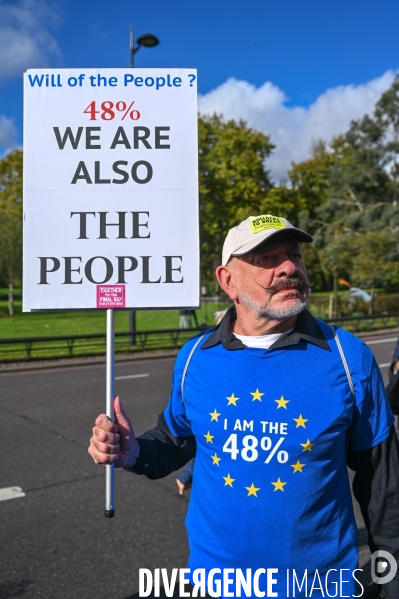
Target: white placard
110,189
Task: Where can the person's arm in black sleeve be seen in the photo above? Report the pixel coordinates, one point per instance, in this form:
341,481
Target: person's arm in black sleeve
161,452
376,488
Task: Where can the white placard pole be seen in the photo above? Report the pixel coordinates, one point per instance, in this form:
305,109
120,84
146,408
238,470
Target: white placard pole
110,390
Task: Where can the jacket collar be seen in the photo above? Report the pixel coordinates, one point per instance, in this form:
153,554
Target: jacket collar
306,327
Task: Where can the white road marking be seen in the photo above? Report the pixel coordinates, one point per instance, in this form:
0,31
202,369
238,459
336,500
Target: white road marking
131,376
11,493
390,340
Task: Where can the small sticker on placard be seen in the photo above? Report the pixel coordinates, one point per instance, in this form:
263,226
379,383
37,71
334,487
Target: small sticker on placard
111,296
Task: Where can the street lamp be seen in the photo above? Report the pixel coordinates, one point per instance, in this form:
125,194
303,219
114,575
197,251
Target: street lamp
147,39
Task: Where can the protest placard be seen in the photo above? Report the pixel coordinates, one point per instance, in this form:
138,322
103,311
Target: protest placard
110,189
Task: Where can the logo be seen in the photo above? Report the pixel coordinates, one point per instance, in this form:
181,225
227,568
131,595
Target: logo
266,221
380,560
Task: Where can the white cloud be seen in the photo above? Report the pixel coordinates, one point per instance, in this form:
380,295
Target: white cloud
292,129
8,133
25,38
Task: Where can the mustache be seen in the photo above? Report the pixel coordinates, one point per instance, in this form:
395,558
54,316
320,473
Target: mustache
296,282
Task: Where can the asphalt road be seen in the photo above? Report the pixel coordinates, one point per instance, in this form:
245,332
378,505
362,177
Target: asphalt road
55,542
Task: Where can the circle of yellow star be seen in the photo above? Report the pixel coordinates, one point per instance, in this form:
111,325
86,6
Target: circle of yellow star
228,481
209,437
300,421
232,400
282,403
215,459
214,415
256,395
307,446
297,467
279,485
252,490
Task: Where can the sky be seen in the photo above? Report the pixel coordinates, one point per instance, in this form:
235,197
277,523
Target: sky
297,70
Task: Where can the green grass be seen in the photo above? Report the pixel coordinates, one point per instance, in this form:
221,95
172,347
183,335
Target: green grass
34,324
79,323
93,321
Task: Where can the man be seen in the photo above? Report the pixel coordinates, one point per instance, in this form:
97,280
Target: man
264,402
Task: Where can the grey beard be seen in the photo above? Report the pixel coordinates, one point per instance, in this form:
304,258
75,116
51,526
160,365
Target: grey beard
266,311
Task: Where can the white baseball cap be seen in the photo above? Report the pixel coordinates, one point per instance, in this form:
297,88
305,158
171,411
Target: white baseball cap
255,230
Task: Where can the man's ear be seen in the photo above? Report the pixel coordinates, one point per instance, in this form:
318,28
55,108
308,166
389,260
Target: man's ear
225,277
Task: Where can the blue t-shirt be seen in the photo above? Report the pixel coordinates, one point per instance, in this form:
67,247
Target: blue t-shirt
270,485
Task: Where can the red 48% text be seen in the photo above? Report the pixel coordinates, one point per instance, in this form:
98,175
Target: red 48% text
108,110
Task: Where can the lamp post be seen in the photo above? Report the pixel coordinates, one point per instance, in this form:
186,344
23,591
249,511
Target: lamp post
148,40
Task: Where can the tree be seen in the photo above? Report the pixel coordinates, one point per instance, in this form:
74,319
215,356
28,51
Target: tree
364,182
233,181
345,191
283,201
356,190
311,178
336,257
320,213
11,221
375,259
387,116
